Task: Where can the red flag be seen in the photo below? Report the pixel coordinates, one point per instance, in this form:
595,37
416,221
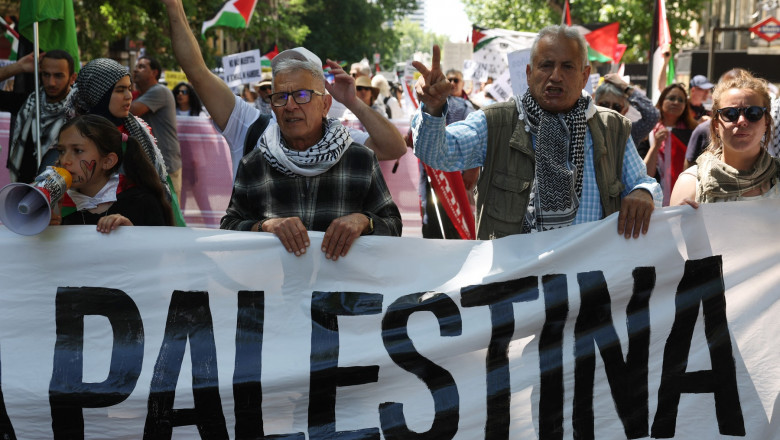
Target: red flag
451,192
566,14
671,156
620,49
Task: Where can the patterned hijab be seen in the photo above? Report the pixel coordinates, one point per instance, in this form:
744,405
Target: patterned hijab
92,94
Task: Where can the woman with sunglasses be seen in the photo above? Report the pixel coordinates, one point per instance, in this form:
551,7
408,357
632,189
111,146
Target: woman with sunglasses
187,101
736,164
664,151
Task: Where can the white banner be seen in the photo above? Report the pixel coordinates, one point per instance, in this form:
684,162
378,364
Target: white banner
242,68
577,333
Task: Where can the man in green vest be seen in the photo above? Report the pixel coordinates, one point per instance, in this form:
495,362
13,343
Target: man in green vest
550,157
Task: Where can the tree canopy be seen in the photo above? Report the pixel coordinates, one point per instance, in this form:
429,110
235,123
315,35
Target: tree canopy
635,18
345,29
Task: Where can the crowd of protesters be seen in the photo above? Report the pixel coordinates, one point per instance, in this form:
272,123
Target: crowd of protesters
305,147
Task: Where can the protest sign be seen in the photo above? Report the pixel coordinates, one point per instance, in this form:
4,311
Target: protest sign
242,68
174,77
154,332
518,61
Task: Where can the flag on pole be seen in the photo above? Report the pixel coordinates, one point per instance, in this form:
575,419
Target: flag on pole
566,17
661,41
233,13
56,25
13,39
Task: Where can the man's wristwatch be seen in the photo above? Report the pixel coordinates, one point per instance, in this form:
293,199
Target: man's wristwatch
370,224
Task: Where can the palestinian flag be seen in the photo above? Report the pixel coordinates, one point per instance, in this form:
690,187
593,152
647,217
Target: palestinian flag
602,41
661,41
566,17
233,13
13,39
265,60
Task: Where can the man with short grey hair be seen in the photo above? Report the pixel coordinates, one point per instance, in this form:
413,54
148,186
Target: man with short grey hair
550,158
304,172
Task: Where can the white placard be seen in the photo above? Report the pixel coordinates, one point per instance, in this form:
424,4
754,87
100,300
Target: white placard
242,68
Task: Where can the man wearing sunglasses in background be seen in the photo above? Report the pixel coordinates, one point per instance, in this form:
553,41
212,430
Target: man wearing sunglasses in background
618,95
304,172
263,89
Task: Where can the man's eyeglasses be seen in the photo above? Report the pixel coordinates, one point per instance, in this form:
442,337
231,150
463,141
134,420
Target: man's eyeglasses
753,113
302,96
362,88
613,105
182,92
675,99
453,80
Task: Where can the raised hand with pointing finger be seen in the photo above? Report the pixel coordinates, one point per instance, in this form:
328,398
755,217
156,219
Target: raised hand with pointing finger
432,87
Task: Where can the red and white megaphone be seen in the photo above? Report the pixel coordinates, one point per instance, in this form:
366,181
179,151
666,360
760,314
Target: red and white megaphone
26,209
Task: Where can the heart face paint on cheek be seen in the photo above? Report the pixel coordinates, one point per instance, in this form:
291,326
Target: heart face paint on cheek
88,168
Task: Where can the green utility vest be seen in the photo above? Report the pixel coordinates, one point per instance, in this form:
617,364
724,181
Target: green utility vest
508,172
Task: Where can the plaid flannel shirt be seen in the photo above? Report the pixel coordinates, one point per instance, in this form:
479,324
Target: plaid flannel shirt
463,145
354,184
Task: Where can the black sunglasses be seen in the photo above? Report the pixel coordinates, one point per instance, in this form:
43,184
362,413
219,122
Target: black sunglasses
753,113
182,92
614,106
264,88
453,80
362,88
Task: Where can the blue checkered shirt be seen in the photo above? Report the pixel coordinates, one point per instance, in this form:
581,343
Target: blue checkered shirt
463,145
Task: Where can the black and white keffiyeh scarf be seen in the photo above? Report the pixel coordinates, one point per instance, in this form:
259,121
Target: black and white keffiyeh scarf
560,158
312,162
53,117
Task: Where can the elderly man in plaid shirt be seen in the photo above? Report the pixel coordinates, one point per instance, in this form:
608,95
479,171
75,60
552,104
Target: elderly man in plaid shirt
550,158
303,172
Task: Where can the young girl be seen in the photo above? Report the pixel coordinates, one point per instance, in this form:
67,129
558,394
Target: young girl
93,150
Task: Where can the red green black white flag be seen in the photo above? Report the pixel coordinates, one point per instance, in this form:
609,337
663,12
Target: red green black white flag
233,13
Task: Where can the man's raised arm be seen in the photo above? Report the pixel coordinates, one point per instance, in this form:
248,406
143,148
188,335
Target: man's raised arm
385,140
215,94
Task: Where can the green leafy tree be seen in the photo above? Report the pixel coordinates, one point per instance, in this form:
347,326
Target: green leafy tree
635,18
103,25
412,38
349,30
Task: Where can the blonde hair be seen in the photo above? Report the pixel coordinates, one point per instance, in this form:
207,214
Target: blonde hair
741,80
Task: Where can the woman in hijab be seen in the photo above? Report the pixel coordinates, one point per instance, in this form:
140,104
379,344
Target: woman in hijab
103,88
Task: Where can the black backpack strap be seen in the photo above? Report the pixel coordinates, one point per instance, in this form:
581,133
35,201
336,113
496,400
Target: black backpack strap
255,131
387,108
